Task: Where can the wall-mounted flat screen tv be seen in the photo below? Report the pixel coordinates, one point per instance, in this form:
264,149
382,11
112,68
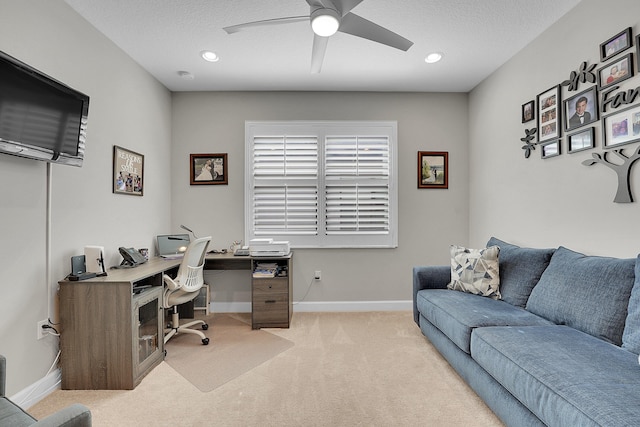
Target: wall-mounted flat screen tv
40,117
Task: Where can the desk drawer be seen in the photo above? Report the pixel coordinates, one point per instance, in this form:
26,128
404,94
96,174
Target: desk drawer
270,303
269,286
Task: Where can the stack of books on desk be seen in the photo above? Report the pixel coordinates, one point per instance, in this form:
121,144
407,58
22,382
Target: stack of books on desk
265,269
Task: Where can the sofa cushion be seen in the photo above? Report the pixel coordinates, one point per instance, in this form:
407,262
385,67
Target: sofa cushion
456,314
564,376
475,271
12,415
631,334
588,293
520,270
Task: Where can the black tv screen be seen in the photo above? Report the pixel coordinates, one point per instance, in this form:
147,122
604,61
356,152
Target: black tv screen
40,117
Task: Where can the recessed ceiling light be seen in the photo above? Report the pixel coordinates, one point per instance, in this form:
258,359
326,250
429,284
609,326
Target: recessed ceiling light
186,75
207,55
433,57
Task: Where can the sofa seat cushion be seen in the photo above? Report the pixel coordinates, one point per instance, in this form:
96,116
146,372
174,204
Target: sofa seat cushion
631,334
456,314
520,270
564,376
588,293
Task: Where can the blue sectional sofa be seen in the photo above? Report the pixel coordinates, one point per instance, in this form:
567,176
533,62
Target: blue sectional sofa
558,348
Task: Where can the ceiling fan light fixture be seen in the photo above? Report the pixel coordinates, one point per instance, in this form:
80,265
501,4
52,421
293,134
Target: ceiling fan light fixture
207,55
433,57
325,22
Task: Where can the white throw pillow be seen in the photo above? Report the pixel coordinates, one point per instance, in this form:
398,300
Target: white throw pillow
475,271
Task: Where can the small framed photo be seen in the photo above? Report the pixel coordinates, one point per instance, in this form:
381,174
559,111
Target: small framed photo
208,169
433,169
616,72
621,127
549,114
581,140
615,44
581,109
528,112
128,171
550,149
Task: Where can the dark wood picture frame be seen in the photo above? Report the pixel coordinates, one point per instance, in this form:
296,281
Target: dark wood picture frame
433,169
128,172
624,70
549,114
582,140
528,111
208,169
571,120
550,149
616,44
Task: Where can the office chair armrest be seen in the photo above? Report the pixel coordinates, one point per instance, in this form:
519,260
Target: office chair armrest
170,283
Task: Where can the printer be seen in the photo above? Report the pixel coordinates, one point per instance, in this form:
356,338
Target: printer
268,247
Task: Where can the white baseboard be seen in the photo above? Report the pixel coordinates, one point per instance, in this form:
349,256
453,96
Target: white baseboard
320,306
38,390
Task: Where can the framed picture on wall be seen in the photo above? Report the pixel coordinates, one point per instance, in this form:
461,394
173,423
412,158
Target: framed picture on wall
549,114
528,112
208,169
615,44
581,140
433,169
621,127
550,149
128,171
616,72
581,109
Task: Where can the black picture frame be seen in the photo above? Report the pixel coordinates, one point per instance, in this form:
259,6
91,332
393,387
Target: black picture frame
581,140
621,127
528,111
616,44
550,149
623,70
549,114
589,98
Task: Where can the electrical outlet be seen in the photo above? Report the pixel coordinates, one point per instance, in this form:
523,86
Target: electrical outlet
41,331
317,275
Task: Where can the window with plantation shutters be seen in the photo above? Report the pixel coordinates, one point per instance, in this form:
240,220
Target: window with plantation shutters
321,184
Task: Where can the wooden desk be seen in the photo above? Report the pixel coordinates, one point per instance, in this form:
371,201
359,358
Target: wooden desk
110,337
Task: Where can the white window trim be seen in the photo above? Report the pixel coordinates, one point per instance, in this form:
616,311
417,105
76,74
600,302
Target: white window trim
322,129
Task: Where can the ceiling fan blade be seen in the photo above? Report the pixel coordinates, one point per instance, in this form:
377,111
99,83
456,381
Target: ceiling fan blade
360,27
317,56
277,21
345,6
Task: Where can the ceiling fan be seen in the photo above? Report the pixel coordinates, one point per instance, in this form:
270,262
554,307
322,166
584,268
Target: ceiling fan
327,17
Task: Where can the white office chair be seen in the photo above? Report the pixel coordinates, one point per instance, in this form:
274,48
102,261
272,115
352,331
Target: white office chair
185,287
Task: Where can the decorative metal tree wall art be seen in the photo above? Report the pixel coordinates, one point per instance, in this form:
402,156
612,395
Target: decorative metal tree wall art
623,170
528,145
584,74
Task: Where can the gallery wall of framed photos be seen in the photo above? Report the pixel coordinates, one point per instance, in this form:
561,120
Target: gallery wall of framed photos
593,109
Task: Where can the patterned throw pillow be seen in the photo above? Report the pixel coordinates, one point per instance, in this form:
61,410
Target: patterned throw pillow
475,271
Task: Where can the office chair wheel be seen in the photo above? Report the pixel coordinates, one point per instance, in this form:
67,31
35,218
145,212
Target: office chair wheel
205,341
205,327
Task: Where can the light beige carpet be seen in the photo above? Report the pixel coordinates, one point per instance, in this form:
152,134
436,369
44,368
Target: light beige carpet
344,369
234,348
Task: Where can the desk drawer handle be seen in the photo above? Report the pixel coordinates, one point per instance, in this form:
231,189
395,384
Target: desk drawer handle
270,301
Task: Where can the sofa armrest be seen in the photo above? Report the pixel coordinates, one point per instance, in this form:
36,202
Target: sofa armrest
76,415
429,277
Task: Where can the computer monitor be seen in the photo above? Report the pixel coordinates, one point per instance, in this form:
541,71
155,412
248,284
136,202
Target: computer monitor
172,245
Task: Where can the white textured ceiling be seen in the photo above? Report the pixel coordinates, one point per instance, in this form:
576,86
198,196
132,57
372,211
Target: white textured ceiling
166,36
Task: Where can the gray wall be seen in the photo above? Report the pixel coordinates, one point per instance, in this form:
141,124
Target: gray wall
555,201
128,108
429,220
